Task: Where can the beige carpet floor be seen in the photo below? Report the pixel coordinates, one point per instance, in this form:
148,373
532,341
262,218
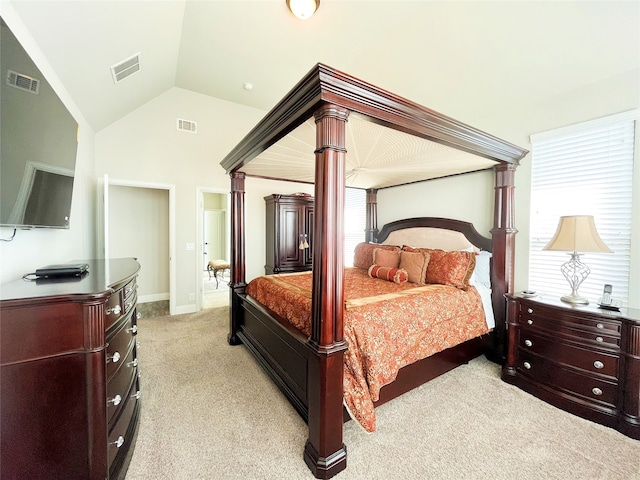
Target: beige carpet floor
209,412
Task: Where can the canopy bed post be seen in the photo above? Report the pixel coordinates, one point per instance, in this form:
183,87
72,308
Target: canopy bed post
237,283
324,452
504,235
371,231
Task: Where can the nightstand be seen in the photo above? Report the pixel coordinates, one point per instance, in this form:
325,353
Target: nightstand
578,358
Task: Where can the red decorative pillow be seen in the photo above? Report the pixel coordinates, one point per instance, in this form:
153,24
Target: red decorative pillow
415,263
363,253
386,258
451,268
396,275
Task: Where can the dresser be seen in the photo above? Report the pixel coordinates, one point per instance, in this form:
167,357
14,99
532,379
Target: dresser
582,359
69,374
289,222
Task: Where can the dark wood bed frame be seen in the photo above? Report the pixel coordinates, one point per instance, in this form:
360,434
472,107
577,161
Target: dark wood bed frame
309,370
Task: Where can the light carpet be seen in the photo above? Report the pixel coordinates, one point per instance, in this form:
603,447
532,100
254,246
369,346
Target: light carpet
210,412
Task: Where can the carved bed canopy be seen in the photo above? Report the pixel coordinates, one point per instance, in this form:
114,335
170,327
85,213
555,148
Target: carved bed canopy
335,130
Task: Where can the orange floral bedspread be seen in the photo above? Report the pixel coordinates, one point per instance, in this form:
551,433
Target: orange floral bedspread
386,325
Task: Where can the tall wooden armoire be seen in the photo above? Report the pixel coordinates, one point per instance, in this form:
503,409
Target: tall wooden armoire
289,230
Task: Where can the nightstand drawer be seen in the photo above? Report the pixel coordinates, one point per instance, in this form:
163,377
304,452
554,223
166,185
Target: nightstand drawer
575,356
569,318
567,381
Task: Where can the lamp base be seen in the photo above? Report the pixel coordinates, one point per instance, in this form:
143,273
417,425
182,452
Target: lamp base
575,300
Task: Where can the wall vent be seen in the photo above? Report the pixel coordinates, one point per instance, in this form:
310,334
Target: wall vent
23,82
187,126
126,68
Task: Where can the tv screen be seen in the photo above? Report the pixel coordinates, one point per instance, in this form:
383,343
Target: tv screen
38,144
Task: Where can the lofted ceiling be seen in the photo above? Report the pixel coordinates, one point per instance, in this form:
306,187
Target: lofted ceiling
466,59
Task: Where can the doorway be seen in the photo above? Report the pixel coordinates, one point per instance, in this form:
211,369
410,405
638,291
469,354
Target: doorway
214,234
138,220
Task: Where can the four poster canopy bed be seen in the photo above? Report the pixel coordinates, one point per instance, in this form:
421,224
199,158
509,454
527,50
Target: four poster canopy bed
425,294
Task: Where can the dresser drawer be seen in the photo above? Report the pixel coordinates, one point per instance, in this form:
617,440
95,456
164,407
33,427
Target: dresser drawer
568,354
119,344
120,384
119,433
129,289
567,381
114,309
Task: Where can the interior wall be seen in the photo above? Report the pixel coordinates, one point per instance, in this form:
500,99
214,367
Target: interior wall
463,197
139,228
145,146
35,248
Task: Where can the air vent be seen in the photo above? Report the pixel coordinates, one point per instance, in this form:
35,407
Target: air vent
187,126
23,82
125,68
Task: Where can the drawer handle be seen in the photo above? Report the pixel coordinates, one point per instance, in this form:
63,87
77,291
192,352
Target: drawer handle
600,326
598,364
115,400
133,329
127,291
115,310
127,306
528,343
599,339
138,316
596,391
530,322
133,364
527,365
136,395
113,358
529,310
119,442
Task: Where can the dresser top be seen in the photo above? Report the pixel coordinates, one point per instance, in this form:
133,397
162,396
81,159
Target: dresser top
103,277
592,308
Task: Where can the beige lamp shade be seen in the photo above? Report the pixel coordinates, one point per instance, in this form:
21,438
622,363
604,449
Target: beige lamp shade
577,234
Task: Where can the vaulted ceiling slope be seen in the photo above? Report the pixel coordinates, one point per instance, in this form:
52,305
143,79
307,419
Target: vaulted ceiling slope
465,59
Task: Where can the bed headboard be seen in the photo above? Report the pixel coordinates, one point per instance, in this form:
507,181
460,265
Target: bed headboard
433,232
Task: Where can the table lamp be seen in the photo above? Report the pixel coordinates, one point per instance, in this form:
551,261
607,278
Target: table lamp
576,234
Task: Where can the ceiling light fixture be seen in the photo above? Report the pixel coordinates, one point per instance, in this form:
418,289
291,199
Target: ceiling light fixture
247,86
303,9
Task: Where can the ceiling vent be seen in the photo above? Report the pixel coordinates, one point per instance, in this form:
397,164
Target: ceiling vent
126,68
187,126
23,82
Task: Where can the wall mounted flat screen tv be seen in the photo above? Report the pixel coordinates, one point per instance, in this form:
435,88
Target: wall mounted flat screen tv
38,144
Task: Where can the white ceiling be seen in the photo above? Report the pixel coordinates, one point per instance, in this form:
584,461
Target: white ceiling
465,59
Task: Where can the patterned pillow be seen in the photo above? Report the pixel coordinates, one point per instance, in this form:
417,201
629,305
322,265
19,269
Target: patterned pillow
386,258
396,275
415,263
451,268
363,253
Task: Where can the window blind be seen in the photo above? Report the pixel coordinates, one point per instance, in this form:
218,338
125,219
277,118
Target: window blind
355,210
584,169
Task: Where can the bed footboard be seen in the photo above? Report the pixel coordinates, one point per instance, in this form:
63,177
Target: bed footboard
279,348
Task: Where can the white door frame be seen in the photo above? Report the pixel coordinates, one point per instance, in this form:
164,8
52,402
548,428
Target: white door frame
172,226
200,191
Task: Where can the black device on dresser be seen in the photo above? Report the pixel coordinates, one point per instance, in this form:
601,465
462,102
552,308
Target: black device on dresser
69,374
582,359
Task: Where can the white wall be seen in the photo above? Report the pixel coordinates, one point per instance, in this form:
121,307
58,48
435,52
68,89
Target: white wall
145,146
35,248
463,197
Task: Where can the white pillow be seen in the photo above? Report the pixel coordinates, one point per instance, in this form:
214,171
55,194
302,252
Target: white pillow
482,273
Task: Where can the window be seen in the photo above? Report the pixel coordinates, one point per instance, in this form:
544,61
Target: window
355,210
583,169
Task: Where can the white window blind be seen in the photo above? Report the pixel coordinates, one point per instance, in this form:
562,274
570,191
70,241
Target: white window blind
355,210
584,169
